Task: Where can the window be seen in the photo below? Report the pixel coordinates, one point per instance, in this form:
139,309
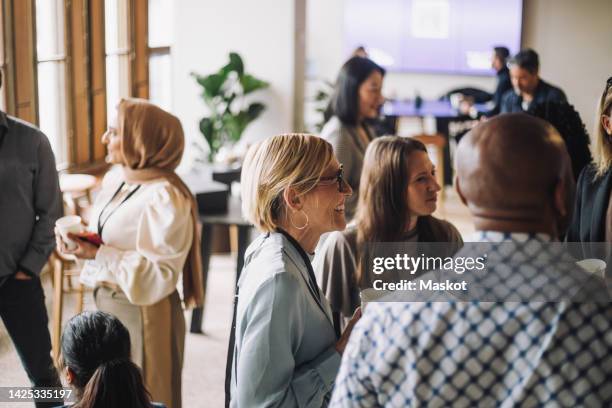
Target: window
117,54
159,42
67,63
51,71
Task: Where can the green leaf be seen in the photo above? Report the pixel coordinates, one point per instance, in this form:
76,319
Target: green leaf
212,84
251,84
208,130
235,64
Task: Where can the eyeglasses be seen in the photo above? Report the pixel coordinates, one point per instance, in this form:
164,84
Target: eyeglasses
338,178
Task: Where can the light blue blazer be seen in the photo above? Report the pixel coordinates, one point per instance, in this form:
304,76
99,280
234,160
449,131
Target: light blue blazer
285,341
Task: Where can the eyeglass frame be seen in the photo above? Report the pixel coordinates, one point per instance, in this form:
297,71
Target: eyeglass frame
338,178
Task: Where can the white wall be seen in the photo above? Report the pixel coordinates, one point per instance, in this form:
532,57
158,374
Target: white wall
262,32
574,41
325,53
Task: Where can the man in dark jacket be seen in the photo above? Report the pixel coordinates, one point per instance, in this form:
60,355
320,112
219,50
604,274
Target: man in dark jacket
528,86
30,203
499,64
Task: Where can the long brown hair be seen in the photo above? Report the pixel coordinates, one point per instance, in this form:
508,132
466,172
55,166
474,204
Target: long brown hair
382,210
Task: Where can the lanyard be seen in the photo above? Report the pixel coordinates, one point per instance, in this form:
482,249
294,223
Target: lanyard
312,284
102,224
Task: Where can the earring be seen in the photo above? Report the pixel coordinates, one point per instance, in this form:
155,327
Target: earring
303,226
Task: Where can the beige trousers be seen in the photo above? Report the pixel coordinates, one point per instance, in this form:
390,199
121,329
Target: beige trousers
157,333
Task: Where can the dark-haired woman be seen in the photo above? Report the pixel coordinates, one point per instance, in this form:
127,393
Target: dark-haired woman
357,97
397,195
96,362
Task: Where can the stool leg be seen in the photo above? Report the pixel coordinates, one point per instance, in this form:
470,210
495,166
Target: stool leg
81,295
58,293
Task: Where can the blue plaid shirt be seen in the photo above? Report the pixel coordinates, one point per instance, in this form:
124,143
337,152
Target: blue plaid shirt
490,354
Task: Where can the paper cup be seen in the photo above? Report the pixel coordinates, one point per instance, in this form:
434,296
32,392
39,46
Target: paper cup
593,265
72,224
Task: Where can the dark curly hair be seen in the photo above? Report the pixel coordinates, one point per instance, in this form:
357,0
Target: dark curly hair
568,123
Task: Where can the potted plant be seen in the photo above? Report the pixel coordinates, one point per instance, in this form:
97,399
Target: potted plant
224,94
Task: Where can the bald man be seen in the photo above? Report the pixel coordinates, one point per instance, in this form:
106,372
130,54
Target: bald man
522,337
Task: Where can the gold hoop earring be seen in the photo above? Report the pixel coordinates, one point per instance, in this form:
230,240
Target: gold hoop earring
303,226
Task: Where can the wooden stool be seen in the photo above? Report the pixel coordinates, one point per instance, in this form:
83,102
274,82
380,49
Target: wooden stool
437,141
74,187
60,267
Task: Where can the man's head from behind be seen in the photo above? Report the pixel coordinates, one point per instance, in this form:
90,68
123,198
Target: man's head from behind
514,174
524,71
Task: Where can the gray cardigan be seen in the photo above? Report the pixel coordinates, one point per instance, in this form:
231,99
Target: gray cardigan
285,352
349,150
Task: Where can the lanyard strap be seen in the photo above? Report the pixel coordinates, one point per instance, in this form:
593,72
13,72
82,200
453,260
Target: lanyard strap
312,284
102,224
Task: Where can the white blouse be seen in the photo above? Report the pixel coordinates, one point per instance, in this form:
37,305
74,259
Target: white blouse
146,238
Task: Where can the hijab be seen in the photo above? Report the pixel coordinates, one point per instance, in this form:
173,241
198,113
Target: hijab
152,147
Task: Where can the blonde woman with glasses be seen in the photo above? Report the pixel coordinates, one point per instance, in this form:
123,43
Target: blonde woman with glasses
284,348
592,218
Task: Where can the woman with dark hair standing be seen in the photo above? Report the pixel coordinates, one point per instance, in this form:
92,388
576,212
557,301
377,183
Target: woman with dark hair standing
397,195
592,218
96,362
357,97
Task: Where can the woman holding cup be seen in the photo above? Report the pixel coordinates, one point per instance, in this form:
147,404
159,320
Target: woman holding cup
145,221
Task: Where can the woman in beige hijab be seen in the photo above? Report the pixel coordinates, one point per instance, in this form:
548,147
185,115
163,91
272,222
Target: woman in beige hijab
145,217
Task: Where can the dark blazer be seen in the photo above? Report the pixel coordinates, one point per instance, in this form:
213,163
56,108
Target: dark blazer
504,84
544,92
592,197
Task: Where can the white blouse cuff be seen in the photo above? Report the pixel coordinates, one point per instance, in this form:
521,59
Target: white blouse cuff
108,256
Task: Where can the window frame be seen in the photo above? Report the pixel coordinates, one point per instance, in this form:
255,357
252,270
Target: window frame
85,71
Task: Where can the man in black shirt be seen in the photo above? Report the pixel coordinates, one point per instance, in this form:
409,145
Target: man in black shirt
528,86
499,64
30,203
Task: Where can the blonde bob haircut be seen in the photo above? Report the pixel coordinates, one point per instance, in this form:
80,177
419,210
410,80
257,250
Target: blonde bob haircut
603,141
271,166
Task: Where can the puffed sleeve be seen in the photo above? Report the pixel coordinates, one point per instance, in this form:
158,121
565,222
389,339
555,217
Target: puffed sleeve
266,372
164,236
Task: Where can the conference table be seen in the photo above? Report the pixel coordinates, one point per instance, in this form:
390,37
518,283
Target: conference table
232,217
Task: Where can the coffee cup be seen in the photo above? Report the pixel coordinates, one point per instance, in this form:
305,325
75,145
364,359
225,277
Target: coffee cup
69,224
594,266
